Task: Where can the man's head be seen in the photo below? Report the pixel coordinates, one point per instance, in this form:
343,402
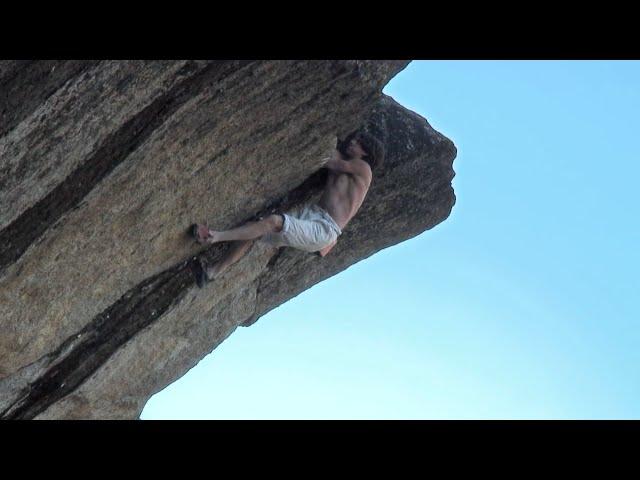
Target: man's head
365,146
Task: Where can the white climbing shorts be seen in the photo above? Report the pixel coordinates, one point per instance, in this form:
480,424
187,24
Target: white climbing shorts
307,227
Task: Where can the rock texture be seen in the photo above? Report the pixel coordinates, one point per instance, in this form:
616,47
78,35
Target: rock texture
105,164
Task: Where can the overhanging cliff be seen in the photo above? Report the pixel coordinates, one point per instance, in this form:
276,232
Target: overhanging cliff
105,164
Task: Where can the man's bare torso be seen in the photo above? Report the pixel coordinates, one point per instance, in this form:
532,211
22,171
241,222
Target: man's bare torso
343,195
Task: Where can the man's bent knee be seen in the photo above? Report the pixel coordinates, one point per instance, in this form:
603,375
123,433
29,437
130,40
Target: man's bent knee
276,221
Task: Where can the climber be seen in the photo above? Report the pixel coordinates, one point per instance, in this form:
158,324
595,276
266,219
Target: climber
311,228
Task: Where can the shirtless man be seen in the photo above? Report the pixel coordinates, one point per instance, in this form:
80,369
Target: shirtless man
312,228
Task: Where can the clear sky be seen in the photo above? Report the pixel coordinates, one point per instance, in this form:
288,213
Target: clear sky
523,304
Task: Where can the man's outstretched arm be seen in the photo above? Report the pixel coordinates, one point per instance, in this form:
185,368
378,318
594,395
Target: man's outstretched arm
338,164
326,249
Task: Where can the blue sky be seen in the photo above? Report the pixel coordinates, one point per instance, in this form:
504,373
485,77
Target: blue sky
523,304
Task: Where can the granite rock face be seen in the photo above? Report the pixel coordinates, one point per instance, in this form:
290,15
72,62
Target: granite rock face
105,164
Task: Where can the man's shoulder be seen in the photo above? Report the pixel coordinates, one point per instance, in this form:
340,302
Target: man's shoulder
364,169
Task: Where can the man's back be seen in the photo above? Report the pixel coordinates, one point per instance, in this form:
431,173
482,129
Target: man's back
344,192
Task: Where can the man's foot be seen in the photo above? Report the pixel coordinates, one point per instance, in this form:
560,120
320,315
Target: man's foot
203,272
203,234
198,268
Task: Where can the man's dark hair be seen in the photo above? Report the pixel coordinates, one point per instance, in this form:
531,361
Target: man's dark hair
373,148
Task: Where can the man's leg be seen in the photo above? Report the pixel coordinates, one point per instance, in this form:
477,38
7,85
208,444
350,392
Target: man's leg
236,252
248,231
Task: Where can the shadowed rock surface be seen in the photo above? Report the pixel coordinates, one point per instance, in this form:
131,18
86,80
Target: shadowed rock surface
105,164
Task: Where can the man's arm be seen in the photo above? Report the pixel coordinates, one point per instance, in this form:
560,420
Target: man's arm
338,164
326,249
